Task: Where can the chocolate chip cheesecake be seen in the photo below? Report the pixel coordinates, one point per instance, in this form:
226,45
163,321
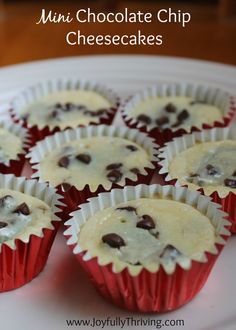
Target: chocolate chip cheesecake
22,215
94,161
208,165
175,112
69,108
147,232
10,145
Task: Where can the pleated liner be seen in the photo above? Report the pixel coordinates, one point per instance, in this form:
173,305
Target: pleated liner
147,291
73,197
15,166
228,203
221,99
33,93
20,263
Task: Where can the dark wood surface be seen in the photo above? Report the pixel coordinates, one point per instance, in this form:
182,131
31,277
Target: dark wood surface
208,36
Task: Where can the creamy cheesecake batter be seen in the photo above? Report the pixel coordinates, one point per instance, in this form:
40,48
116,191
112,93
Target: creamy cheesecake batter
208,165
67,109
10,146
175,112
146,232
94,161
22,215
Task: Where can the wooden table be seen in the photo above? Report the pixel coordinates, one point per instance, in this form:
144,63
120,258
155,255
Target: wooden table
208,36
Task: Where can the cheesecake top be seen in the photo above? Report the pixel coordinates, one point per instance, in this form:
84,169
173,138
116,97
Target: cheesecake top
94,161
67,109
22,215
10,146
175,112
147,232
207,165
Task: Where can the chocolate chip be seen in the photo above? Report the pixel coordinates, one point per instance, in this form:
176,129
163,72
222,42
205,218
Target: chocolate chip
58,105
170,252
135,264
3,224
113,240
131,147
144,119
4,199
234,174
176,124
156,235
193,175
64,162
170,107
84,158
113,166
81,107
101,111
162,121
211,170
114,176
91,113
68,106
25,116
184,114
127,208
54,114
65,186
147,222
22,208
135,170
231,183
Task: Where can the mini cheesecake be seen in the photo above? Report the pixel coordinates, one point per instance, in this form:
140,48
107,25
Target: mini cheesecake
10,145
175,112
94,161
69,108
207,165
22,215
147,232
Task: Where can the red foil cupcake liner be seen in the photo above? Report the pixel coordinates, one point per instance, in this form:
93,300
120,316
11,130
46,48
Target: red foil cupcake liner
147,291
228,203
23,262
35,92
73,196
20,266
226,103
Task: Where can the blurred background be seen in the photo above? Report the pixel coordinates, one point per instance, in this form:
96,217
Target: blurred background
211,34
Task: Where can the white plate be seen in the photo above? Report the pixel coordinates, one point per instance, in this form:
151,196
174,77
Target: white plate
62,291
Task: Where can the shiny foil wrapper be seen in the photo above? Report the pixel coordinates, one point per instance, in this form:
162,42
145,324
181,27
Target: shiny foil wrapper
157,291
21,261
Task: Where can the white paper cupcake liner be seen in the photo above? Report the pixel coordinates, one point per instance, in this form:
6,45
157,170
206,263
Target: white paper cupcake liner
23,258
135,287
43,88
179,144
20,132
117,196
35,189
47,145
219,98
